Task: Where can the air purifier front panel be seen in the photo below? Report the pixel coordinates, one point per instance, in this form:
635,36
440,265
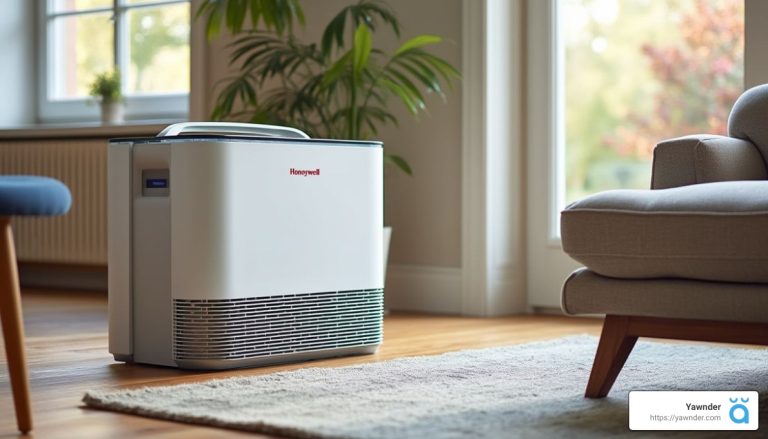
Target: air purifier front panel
257,219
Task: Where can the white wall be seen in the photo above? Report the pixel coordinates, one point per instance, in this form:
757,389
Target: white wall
756,38
17,85
425,210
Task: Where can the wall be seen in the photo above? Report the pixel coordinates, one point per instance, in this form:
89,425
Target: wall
424,210
756,36
18,52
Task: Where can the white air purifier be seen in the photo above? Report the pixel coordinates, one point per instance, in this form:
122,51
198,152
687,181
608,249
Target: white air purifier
237,245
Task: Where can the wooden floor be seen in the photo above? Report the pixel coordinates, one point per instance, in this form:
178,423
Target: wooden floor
67,354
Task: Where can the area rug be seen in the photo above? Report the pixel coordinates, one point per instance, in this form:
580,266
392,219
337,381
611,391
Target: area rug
532,390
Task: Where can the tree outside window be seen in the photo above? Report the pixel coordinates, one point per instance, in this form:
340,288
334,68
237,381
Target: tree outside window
638,72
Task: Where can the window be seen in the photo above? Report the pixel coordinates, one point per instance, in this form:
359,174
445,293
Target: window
147,40
639,71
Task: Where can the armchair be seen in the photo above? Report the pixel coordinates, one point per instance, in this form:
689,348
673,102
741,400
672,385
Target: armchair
686,260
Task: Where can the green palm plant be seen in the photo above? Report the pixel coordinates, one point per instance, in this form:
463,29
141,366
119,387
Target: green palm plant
337,88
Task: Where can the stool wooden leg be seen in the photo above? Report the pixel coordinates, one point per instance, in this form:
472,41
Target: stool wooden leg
13,327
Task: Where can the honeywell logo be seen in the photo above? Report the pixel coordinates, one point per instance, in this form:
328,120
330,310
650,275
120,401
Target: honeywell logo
305,172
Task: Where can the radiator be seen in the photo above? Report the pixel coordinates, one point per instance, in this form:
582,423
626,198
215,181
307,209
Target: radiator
80,237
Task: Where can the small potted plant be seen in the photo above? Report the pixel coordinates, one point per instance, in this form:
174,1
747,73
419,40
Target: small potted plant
106,89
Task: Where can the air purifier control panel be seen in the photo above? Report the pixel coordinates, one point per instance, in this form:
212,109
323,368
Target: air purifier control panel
152,329
155,183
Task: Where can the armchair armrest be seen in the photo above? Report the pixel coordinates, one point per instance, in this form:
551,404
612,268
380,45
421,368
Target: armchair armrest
705,159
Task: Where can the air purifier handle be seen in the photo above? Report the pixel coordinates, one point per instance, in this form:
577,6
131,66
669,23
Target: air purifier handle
232,128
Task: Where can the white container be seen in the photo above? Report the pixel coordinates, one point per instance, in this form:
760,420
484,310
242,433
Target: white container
250,246
112,112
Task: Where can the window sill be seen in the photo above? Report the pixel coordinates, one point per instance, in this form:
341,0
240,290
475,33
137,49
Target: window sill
132,128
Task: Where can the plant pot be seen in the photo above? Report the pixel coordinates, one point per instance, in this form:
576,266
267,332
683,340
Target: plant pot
112,112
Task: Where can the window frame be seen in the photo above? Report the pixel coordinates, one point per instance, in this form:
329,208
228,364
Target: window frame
137,107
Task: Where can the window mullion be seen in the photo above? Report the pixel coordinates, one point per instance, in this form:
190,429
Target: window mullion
119,24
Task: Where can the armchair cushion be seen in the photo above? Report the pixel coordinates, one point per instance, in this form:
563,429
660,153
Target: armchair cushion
713,231
705,159
588,293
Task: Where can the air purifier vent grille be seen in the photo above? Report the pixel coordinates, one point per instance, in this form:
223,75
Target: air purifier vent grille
233,329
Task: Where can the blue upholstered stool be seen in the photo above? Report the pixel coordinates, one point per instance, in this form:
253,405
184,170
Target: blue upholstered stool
21,195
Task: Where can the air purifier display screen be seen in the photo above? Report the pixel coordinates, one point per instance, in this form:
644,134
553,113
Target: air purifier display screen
156,183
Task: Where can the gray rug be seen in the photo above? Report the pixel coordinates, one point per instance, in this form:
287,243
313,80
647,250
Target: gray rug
531,390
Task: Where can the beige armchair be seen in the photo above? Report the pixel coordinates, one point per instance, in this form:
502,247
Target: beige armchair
686,260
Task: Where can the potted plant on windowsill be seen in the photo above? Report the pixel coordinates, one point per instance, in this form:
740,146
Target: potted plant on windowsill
106,90
337,88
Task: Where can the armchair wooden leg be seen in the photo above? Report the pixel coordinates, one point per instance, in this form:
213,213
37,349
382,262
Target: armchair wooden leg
13,328
612,352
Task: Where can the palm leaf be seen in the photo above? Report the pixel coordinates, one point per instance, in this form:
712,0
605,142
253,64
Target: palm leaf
362,49
408,87
364,12
399,162
337,69
416,42
401,93
274,15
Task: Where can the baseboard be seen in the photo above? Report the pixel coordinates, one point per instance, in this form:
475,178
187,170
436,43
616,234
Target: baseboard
63,276
423,288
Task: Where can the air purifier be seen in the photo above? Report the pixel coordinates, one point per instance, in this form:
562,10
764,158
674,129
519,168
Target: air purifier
238,245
